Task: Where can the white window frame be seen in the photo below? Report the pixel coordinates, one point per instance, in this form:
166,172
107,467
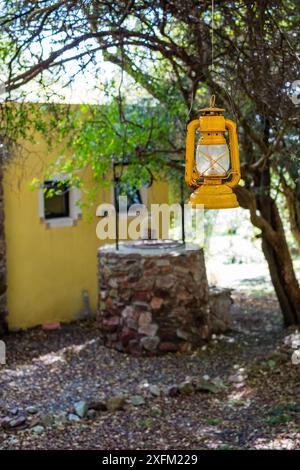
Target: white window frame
74,209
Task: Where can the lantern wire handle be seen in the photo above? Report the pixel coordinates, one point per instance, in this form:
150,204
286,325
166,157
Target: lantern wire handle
212,101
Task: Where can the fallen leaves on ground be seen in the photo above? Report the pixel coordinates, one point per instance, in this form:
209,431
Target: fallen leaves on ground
244,394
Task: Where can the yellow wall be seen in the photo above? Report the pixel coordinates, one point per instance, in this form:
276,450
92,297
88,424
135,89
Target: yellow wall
48,268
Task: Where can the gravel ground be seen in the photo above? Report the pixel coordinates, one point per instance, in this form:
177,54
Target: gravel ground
257,407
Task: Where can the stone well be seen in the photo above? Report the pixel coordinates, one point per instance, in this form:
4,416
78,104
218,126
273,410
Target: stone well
154,300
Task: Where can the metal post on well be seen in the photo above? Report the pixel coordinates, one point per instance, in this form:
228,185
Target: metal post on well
182,209
115,181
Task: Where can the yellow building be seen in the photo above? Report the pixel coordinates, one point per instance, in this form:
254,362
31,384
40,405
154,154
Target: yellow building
51,246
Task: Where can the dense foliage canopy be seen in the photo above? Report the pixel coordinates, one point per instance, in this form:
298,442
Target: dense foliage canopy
247,52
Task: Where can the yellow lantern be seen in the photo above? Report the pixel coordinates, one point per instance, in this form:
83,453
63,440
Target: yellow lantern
215,169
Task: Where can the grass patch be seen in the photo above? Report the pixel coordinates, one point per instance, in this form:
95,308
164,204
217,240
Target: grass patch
283,414
214,421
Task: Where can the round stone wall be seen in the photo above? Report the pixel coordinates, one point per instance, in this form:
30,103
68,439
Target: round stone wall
153,301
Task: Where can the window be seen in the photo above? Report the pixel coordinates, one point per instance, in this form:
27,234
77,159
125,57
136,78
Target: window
56,199
59,202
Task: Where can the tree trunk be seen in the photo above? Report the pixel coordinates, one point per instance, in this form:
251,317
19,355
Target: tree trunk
276,251
292,197
282,271
3,304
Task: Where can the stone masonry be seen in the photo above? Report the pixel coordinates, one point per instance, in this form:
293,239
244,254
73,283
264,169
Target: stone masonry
153,301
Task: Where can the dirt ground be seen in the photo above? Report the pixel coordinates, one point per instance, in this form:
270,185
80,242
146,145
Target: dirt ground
257,405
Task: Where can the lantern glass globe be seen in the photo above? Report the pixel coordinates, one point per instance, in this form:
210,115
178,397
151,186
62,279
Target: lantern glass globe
212,160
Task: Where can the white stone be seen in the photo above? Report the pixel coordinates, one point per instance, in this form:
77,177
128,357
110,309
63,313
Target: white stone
144,319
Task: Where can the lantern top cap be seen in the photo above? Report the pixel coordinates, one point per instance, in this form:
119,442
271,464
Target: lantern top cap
212,110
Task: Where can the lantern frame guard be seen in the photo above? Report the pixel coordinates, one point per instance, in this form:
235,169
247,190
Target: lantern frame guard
213,191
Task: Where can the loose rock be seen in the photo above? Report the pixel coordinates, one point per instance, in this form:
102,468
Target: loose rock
31,410
38,429
116,403
81,408
172,390
73,418
91,414
206,386
19,421
137,400
186,388
154,390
